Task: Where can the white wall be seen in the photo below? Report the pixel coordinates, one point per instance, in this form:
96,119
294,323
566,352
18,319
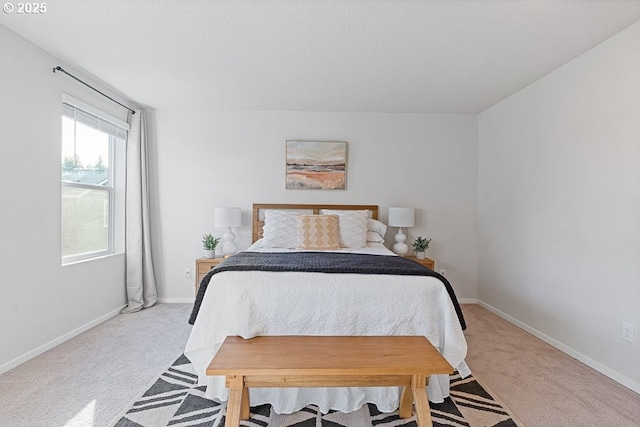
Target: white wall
42,303
207,159
559,206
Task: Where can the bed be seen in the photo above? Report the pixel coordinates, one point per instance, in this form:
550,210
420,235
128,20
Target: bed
336,285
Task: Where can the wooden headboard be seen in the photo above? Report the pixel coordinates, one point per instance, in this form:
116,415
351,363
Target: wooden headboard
257,221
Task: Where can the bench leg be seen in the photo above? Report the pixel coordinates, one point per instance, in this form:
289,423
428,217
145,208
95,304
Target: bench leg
234,404
423,412
244,406
406,403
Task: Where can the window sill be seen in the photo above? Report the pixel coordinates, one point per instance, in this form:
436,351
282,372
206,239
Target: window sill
96,258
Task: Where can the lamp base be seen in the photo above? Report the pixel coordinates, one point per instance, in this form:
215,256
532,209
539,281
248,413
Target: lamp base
400,247
228,247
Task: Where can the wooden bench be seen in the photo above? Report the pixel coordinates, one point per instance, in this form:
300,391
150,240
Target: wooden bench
328,361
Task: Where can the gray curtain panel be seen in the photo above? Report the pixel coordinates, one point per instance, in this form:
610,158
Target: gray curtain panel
141,284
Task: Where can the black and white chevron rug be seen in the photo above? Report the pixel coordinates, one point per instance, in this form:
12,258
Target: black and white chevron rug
175,400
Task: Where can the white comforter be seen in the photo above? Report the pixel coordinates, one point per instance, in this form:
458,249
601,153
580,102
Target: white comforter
255,303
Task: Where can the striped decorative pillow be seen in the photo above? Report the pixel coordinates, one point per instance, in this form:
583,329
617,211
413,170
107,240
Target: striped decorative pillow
318,232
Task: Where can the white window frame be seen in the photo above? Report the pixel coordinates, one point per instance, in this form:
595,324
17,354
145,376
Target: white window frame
114,189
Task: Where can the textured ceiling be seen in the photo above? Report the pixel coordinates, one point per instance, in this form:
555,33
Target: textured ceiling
330,55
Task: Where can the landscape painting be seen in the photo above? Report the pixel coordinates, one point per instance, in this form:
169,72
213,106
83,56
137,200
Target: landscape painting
316,165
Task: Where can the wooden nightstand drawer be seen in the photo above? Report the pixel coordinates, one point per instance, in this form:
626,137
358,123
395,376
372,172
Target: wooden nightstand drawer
203,265
427,262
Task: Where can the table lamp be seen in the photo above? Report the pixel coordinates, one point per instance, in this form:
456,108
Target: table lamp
401,217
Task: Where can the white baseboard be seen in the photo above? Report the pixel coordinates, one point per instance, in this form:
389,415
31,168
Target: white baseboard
616,376
467,301
48,346
176,300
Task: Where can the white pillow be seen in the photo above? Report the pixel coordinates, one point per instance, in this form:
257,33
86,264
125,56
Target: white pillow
377,226
353,227
366,212
280,229
372,236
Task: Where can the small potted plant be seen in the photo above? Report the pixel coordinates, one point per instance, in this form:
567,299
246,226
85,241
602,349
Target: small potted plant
420,245
209,244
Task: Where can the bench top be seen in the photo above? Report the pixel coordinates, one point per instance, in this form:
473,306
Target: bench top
328,355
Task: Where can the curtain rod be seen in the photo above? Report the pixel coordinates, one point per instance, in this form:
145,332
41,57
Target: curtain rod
58,68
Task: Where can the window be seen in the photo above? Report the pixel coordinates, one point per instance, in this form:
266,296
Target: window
91,141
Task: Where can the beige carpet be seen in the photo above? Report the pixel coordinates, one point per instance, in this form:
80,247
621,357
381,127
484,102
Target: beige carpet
541,385
89,380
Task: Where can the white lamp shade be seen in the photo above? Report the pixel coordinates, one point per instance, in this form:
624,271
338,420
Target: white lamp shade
227,217
401,217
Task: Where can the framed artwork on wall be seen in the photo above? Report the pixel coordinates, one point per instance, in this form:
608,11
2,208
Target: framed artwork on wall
318,165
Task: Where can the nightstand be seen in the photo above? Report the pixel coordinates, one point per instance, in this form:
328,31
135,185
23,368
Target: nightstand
427,262
203,265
